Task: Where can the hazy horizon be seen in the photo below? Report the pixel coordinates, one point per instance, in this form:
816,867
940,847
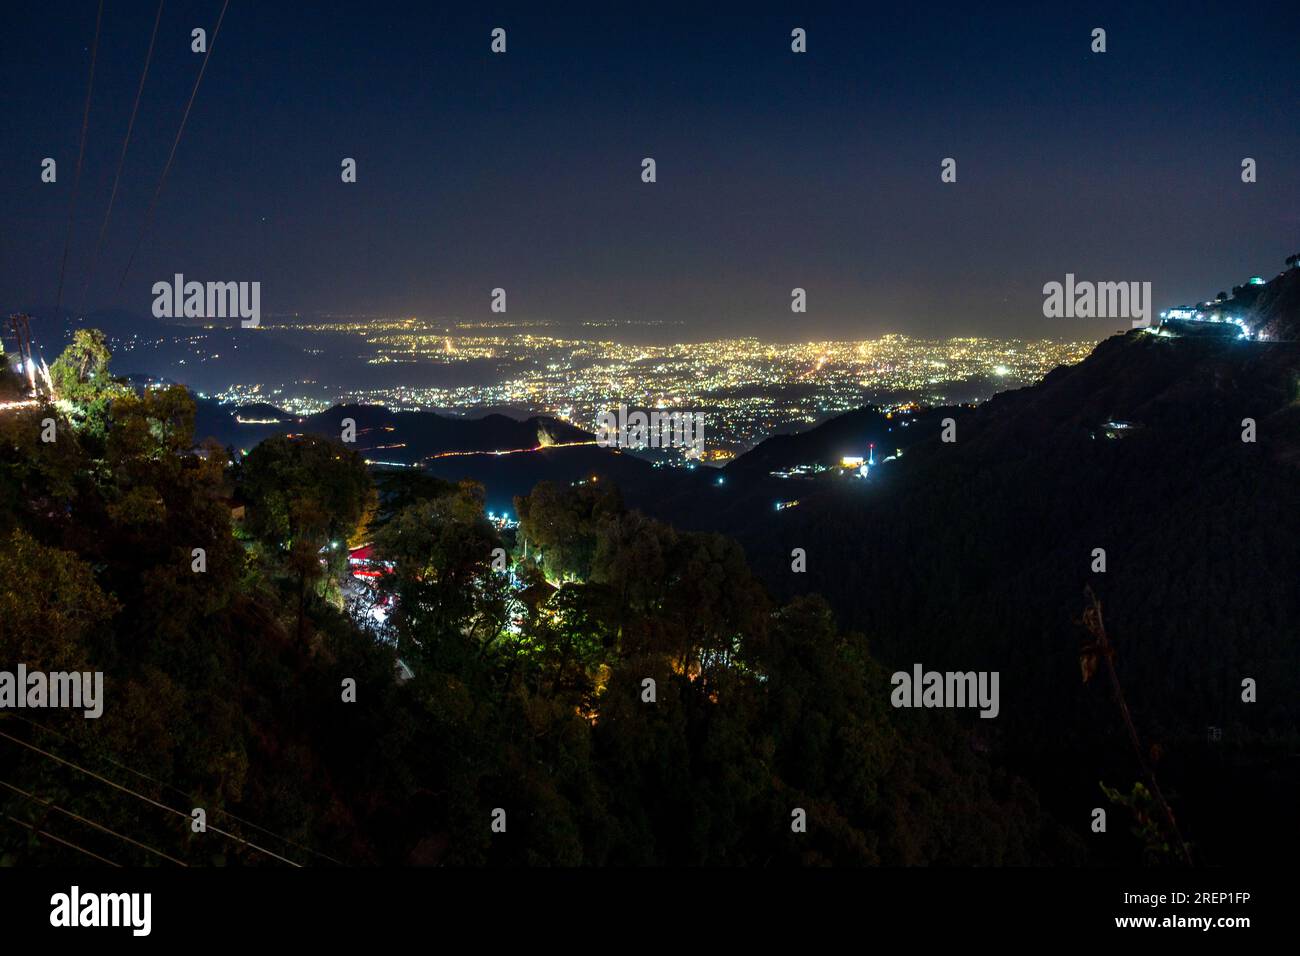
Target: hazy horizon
774,170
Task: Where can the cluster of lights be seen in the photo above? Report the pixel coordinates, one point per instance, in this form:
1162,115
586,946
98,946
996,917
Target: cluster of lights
502,521
1196,315
742,386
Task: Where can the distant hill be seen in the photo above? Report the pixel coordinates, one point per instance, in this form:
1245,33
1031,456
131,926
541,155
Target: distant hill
1276,310
1271,309
379,430
975,555
469,446
845,435
747,490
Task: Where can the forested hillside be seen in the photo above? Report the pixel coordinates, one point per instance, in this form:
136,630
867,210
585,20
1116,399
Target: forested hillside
242,678
975,553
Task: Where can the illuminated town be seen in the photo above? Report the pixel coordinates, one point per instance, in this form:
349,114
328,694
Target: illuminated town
747,388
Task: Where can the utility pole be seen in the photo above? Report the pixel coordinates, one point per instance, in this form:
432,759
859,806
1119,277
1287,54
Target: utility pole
20,324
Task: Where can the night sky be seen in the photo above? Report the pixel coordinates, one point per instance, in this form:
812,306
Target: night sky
775,170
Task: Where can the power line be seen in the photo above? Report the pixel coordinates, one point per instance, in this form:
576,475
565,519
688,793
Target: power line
76,179
141,796
51,836
148,216
188,797
121,160
98,826
146,799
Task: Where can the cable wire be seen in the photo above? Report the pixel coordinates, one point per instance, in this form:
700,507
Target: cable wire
98,826
187,796
81,152
51,836
146,799
121,160
148,216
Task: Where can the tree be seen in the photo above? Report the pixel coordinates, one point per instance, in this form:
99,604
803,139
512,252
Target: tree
562,523
157,423
47,626
38,480
81,380
443,583
307,495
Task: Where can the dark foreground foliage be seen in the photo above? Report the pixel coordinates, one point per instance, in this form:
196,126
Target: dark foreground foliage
524,689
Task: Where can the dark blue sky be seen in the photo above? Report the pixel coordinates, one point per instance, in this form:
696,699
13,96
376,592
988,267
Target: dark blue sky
774,170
